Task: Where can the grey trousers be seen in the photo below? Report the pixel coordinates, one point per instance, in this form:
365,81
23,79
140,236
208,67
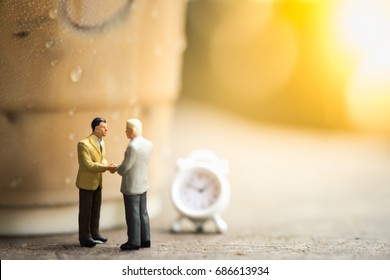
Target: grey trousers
137,219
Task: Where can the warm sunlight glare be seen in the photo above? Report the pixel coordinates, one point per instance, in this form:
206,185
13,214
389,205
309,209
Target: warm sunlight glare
363,24
364,29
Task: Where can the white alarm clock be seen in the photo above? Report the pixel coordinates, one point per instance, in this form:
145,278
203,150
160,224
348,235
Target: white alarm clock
201,190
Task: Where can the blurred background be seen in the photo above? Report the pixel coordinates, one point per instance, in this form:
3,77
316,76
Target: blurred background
312,63
295,94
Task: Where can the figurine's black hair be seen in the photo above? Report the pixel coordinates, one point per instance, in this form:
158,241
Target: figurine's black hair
96,122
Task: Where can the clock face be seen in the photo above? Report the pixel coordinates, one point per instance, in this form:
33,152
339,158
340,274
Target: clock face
199,190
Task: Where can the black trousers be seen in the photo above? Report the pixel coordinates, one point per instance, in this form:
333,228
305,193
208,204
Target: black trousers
137,219
89,213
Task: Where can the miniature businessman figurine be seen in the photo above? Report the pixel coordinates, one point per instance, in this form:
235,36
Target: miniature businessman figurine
134,186
92,163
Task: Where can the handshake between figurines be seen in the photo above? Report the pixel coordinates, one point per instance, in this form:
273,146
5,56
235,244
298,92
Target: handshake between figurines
112,167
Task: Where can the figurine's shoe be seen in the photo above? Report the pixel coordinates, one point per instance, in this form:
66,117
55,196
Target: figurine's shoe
129,246
100,239
145,244
88,243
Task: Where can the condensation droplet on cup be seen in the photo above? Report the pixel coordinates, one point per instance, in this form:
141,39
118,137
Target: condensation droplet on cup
49,44
53,13
71,154
71,136
53,62
76,73
68,180
71,112
16,182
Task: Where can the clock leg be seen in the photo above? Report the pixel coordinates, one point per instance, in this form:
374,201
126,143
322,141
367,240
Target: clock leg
198,226
220,224
176,226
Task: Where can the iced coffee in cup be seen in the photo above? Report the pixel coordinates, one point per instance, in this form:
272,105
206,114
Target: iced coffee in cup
62,63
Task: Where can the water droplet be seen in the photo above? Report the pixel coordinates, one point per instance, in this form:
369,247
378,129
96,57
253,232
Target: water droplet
76,73
49,44
94,51
16,182
68,180
53,13
71,154
71,136
71,112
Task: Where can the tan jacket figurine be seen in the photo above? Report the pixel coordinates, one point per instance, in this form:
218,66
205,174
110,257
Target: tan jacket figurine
89,181
92,163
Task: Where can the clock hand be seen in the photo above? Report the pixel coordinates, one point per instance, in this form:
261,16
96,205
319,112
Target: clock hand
205,186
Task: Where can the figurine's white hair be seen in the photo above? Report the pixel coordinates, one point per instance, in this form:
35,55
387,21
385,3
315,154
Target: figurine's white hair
136,125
